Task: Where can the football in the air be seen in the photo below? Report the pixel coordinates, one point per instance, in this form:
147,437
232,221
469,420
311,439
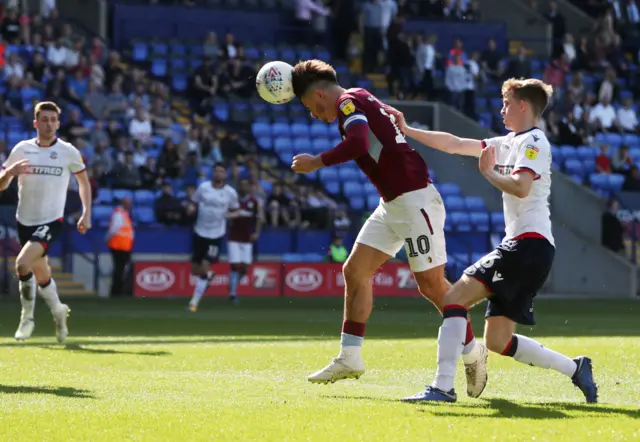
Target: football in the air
274,82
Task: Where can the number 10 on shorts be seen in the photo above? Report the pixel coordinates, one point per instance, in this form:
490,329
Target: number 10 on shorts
420,246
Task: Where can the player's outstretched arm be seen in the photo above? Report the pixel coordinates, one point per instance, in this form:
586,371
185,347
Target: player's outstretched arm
7,174
445,142
84,189
517,184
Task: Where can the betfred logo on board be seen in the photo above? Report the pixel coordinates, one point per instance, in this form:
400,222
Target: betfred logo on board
304,279
155,279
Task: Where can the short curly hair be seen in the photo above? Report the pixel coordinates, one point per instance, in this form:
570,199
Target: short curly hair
307,73
535,92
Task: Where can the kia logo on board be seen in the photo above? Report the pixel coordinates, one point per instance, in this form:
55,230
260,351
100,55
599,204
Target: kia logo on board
155,279
304,279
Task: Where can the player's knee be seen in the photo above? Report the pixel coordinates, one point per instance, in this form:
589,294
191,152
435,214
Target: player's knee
23,266
351,272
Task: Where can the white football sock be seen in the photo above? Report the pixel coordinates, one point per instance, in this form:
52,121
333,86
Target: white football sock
451,338
28,296
50,294
199,290
531,352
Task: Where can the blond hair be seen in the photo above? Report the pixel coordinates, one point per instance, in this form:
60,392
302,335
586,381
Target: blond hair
46,106
535,92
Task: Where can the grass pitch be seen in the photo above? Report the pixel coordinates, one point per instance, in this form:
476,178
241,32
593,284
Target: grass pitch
146,370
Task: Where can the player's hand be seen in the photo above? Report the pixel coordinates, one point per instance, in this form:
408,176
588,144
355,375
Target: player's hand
401,122
487,160
84,223
305,163
17,168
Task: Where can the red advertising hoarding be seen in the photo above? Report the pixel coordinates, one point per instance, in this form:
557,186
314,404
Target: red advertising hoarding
160,279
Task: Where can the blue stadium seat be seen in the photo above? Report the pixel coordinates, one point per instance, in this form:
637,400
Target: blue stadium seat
568,152
159,67
300,130
179,83
480,221
140,51
574,167
449,189
615,182
632,140
370,189
144,214
461,221
352,188
497,222
319,129
329,174
267,186
454,202
178,64
178,49
269,53
333,187
101,213
587,152
357,202
286,155
221,111
373,201
302,145
160,48
589,166
288,55
282,144
144,197
280,129
260,130
320,144
474,203
252,53
105,196
598,180
119,194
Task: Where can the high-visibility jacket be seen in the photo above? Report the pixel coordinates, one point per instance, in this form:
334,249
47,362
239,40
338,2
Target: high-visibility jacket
122,238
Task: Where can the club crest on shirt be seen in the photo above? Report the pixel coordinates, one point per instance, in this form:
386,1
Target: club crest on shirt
347,107
531,152
54,155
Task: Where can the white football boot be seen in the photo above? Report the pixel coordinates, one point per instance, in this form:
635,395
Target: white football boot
60,319
337,370
25,328
477,372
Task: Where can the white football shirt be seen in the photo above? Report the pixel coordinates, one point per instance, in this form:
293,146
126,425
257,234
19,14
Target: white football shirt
213,205
526,151
42,191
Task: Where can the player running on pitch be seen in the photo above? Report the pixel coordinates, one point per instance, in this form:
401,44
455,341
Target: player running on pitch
244,230
214,200
411,212
43,166
511,275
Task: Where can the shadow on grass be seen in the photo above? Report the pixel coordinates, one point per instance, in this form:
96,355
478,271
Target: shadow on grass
75,347
506,409
78,345
68,392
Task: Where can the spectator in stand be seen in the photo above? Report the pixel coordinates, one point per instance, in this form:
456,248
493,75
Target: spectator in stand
621,160
603,163
401,62
632,181
341,222
627,117
230,47
169,161
140,128
12,98
576,89
491,60
102,158
426,64
169,209
612,229
203,86
74,128
608,88
455,81
556,72
117,103
57,54
126,174
3,151
582,60
13,67
569,48
10,30
603,116
520,65
373,27
552,124
210,47
161,117
558,26
278,207
472,68
337,252
149,177
457,55
191,173
37,71
140,155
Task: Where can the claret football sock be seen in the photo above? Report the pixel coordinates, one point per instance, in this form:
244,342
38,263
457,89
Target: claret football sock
531,352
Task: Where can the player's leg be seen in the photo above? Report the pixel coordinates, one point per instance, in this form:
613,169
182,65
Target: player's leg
422,226
48,291
205,252
235,254
243,262
451,337
501,338
375,244
30,253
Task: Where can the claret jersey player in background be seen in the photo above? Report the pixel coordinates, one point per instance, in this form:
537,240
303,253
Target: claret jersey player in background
43,166
244,231
410,214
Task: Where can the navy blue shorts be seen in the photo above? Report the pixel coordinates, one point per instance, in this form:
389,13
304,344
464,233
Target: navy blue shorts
514,273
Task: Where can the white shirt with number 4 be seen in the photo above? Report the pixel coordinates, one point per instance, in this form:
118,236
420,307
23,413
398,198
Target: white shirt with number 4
42,190
526,152
213,205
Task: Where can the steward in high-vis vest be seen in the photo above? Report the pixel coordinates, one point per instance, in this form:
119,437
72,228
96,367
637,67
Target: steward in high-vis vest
120,242
337,251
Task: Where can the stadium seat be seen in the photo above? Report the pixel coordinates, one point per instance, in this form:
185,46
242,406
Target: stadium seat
480,221
302,145
260,129
454,202
568,152
101,213
144,197
280,130
352,188
159,68
144,214
497,222
474,203
319,129
615,182
105,196
348,173
283,143
370,189
329,174
357,202
140,51
461,221
449,189
179,83
598,180
320,144
372,202
587,152
120,194
300,130
574,167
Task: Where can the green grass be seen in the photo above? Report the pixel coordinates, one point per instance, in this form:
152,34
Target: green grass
143,370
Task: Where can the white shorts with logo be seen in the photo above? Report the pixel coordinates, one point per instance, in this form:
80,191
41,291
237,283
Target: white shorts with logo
240,252
414,220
